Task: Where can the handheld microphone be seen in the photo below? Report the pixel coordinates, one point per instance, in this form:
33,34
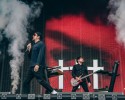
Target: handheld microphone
27,49
28,46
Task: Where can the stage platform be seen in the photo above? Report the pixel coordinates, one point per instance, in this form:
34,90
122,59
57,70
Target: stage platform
65,96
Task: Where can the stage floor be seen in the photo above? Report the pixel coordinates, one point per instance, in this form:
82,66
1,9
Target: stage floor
66,96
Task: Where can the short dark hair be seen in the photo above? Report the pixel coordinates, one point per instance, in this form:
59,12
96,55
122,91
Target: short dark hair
78,58
39,34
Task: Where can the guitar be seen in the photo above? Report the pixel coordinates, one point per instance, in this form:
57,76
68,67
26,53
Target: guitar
75,82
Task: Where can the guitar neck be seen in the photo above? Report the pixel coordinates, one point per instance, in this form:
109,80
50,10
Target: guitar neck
87,75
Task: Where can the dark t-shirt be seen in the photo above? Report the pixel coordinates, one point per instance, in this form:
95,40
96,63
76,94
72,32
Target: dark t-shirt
38,54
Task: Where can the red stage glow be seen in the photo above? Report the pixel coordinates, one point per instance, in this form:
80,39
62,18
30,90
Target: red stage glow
70,36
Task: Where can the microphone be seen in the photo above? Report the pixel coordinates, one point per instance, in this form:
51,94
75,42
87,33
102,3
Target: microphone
28,47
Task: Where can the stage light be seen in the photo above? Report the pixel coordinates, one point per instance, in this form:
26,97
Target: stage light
86,96
114,97
46,96
31,96
4,96
59,96
101,97
73,96
18,96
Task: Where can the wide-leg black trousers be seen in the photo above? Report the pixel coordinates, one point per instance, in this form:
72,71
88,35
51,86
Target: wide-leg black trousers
39,75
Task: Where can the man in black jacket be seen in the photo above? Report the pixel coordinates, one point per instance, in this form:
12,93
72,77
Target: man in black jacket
37,65
80,69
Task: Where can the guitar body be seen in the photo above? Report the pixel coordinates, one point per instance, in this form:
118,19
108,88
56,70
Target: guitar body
74,82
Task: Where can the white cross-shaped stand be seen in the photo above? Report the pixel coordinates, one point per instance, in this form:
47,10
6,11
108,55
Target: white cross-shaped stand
62,69
95,76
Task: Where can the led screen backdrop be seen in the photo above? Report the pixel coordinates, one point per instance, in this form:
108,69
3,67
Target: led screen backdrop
72,28
70,36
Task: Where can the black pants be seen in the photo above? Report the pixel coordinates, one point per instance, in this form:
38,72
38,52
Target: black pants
39,76
84,86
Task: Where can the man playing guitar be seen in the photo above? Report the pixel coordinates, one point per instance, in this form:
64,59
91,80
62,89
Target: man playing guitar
78,71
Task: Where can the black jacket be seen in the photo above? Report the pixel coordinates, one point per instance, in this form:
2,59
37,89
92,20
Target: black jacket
38,54
79,70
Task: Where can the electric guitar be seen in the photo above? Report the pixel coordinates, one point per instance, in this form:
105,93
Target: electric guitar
75,82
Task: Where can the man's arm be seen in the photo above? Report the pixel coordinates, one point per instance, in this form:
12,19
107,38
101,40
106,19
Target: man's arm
41,55
41,58
29,49
73,72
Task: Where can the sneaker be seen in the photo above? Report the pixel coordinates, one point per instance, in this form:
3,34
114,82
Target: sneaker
53,92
